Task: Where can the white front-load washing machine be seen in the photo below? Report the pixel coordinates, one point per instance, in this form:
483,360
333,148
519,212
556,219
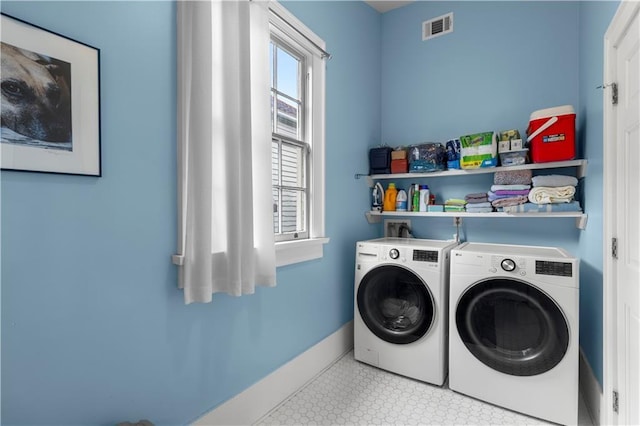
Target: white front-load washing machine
400,306
514,328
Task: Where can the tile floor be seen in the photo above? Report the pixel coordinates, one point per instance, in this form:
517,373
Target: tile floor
353,393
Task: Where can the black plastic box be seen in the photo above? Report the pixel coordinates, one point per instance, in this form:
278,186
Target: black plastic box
380,160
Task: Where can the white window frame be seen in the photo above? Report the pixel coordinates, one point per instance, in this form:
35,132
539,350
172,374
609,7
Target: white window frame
286,26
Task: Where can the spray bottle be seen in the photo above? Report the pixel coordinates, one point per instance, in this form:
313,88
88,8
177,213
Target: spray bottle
415,205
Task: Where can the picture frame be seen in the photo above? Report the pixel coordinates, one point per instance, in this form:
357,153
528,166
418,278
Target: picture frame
50,108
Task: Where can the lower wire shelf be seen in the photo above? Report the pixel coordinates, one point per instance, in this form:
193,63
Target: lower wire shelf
581,218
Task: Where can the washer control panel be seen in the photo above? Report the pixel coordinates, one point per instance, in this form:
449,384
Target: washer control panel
425,256
514,265
508,265
394,253
398,254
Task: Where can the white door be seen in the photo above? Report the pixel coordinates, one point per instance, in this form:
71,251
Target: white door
624,62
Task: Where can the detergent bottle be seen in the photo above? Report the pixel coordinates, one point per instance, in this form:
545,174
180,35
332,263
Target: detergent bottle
401,201
424,198
390,198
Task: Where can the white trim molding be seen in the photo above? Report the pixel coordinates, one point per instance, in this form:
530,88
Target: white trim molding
290,252
260,399
590,389
617,28
285,26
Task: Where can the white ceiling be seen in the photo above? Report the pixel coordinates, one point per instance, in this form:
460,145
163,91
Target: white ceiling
386,5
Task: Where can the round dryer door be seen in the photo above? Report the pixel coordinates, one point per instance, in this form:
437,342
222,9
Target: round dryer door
395,304
512,327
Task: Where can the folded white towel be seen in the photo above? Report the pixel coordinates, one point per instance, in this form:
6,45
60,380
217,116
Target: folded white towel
548,195
554,180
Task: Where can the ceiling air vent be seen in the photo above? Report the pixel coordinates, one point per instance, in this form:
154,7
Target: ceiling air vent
437,26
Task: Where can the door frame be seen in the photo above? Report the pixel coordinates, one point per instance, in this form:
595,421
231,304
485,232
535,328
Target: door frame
617,28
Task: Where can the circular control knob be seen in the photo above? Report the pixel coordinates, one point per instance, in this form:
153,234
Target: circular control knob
508,265
394,253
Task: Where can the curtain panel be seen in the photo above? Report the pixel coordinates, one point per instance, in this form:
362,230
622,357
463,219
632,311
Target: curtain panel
225,229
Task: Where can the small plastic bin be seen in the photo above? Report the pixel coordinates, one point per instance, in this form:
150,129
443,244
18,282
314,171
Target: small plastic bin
552,134
399,166
380,160
514,157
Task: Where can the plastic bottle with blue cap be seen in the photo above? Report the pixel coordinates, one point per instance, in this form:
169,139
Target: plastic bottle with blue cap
401,201
424,198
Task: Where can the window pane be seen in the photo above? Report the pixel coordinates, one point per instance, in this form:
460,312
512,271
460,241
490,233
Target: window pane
271,62
293,211
287,117
293,165
276,209
287,74
273,129
275,163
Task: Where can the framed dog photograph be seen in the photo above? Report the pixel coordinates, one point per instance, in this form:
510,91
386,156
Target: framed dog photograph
50,87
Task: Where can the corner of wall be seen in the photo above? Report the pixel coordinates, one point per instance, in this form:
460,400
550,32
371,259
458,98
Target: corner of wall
257,401
590,389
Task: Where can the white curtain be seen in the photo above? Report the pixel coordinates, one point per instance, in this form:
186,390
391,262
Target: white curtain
225,236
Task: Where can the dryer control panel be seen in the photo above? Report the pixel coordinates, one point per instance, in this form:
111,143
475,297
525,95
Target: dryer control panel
546,265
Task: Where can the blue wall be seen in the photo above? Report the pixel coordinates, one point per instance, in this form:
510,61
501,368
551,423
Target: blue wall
94,330
503,61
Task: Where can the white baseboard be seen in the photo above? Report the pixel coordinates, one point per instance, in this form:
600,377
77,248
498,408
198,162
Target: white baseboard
590,389
255,402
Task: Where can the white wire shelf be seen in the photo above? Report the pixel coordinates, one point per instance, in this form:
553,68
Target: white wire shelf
581,218
580,164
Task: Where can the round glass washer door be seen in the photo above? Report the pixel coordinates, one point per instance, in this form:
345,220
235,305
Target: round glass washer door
395,304
512,327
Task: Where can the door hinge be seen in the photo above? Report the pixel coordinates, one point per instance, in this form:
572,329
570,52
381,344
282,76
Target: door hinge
614,93
614,248
616,406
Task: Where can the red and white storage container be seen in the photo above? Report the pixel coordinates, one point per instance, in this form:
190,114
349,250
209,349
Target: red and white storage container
552,134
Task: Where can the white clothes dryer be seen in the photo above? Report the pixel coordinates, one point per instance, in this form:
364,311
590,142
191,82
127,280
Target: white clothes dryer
400,306
514,328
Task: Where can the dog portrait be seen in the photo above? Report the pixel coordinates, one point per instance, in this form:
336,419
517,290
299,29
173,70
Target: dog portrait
36,99
49,101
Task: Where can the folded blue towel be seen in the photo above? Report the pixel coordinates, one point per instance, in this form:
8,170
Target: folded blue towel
480,210
478,205
554,180
495,188
573,206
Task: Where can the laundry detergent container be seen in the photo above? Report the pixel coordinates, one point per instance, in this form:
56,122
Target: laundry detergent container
552,134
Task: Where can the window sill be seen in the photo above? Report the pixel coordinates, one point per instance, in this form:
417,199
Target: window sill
290,252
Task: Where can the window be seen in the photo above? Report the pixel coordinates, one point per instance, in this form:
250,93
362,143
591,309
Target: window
297,71
289,148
